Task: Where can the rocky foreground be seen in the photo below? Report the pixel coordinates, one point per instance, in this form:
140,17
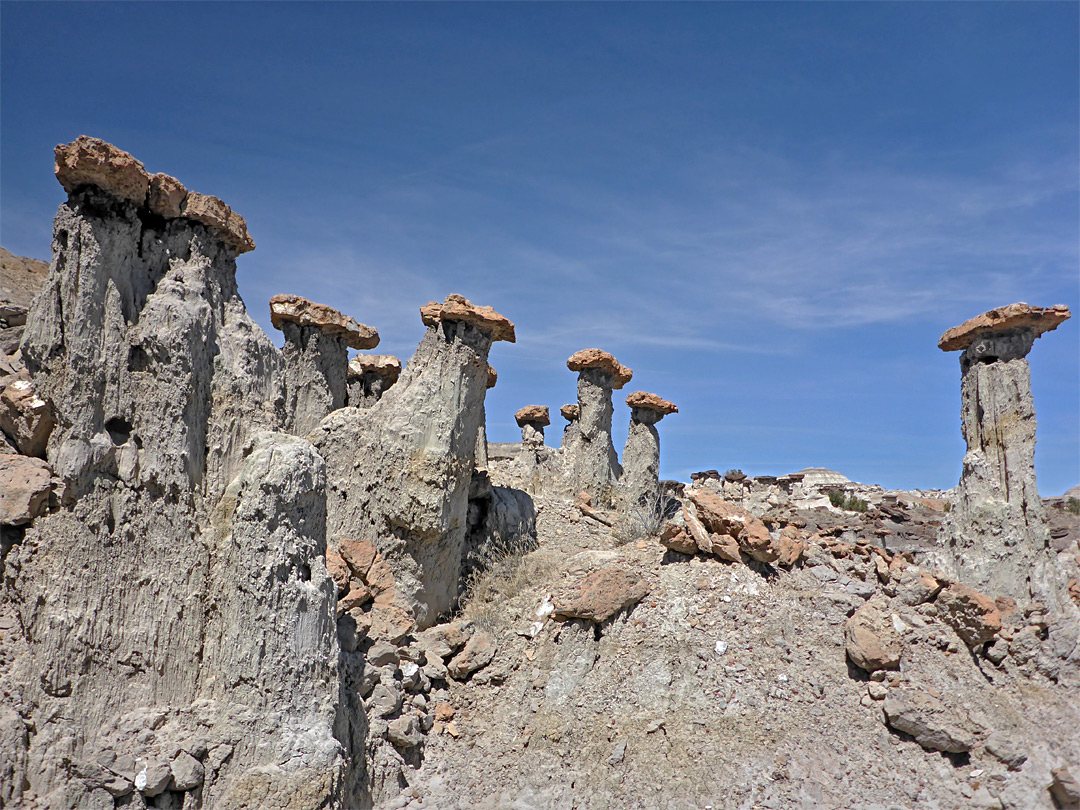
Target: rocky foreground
241,576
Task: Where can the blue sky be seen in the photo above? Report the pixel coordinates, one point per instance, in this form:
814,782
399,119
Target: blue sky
770,211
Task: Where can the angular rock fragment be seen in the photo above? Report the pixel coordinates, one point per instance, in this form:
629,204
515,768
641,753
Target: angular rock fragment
721,517
641,456
871,641
26,418
25,485
478,652
404,732
166,196
973,615
791,545
600,595
1065,788
930,722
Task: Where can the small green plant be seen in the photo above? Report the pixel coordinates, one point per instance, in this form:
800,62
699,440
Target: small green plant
1073,506
849,502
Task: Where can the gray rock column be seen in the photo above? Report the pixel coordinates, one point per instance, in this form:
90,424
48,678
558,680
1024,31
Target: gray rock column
590,462
996,538
641,456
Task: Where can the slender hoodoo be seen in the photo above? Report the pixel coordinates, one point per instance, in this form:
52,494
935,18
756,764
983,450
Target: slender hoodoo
641,456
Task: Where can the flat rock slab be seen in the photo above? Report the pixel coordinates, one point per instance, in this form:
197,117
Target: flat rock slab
930,722
600,595
299,310
1013,316
533,415
598,358
459,308
651,402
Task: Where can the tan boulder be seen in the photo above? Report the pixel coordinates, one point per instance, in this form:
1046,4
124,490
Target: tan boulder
597,358
533,415
722,545
25,485
166,196
1013,316
870,638
600,595
973,615
721,517
26,418
92,161
385,365
459,308
478,652
390,618
338,570
358,555
218,217
571,413
790,545
651,402
299,310
442,640
678,539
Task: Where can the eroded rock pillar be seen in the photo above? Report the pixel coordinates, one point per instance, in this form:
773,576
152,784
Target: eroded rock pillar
316,355
641,456
996,538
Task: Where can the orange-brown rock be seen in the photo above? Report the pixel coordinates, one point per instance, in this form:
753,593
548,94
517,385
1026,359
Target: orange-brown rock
973,615
92,161
385,365
871,640
26,418
1013,316
533,415
678,539
601,595
390,618
338,570
25,485
492,376
218,217
459,308
722,544
597,358
721,517
651,402
571,413
166,196
358,555
301,311
790,545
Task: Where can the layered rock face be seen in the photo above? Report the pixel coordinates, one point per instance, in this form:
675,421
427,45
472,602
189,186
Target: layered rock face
163,601
589,458
997,538
418,442
316,355
641,456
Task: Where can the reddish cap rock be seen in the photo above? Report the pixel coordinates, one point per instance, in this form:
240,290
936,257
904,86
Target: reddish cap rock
533,415
1014,316
459,308
597,358
298,310
385,365
218,217
166,196
571,413
92,161
492,376
651,402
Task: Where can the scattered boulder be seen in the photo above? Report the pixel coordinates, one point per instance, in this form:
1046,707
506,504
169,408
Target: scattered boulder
26,418
601,595
790,545
871,641
973,615
404,731
187,772
25,485
721,517
931,723
477,653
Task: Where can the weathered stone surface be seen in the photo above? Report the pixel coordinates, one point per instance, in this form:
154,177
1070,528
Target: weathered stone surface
1014,316
25,484
385,366
1065,788
92,161
571,413
600,595
404,731
166,196
225,223
973,615
791,545
25,418
302,312
721,517
533,415
722,544
930,722
478,652
870,638
651,402
187,772
492,376
458,309
602,361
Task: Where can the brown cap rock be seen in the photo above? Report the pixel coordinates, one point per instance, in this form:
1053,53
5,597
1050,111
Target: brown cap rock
167,195
651,402
596,358
492,377
302,312
533,415
218,217
92,161
459,308
385,365
1014,316
571,413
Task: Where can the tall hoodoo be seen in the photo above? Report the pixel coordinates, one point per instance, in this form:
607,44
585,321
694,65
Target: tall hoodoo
641,456
590,461
316,354
178,516
996,537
